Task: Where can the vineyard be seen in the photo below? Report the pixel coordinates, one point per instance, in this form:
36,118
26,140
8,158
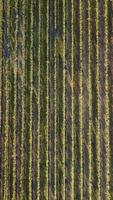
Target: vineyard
56,100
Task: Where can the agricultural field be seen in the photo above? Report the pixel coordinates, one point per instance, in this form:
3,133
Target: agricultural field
56,100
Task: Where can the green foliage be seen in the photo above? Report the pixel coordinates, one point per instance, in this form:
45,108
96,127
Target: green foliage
6,163
64,103
31,106
98,101
107,112
23,108
73,99
47,102
81,98
90,99
15,103
1,32
58,126
55,103
39,69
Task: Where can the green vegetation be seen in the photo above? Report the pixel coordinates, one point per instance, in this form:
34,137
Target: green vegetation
107,130
64,101
73,99
90,97
98,101
1,8
31,106
55,102
23,108
39,68
47,101
15,104
6,161
1,68
81,98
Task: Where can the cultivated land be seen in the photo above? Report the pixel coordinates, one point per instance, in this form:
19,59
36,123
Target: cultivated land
56,100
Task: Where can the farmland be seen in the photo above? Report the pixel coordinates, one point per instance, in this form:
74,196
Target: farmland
56,100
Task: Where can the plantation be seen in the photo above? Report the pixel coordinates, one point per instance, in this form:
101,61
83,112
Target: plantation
56,100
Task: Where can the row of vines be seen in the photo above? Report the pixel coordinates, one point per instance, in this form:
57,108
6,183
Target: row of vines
56,100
